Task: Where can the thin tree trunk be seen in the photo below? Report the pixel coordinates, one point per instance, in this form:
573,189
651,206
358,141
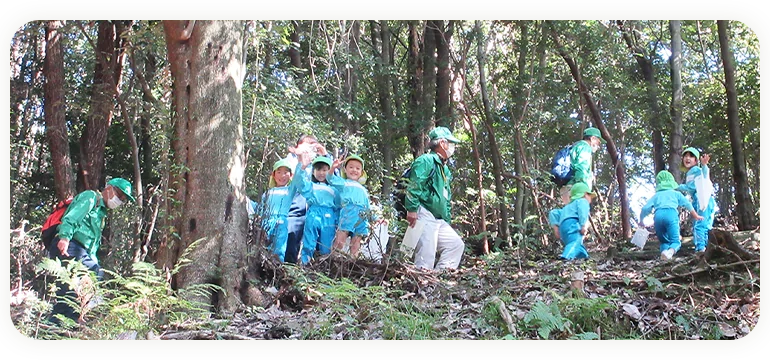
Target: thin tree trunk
651,87
744,208
55,122
444,116
417,122
294,56
611,149
493,146
382,63
675,153
429,73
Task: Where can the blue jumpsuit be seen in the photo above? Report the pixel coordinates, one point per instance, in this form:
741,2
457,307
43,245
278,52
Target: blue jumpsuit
276,203
321,218
666,203
700,231
354,206
554,217
573,217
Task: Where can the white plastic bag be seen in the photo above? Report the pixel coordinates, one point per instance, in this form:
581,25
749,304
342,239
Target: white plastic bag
411,237
378,242
640,237
704,188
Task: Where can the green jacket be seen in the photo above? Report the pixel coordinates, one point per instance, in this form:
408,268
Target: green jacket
84,220
429,186
581,156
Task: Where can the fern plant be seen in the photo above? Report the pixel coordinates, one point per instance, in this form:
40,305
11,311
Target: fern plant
141,302
546,318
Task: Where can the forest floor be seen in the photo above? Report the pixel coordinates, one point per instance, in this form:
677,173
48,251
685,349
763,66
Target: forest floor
632,294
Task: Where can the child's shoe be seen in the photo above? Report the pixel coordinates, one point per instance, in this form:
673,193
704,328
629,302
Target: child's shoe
667,254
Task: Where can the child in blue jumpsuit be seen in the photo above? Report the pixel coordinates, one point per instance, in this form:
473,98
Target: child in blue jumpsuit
321,218
574,222
666,202
554,216
354,204
276,202
700,232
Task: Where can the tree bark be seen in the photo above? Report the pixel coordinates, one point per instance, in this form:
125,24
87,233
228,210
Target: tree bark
744,208
55,122
675,147
207,67
596,115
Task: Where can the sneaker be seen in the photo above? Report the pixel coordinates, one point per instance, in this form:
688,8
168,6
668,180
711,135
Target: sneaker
667,254
700,250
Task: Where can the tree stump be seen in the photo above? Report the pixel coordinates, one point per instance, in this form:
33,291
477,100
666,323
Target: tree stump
723,244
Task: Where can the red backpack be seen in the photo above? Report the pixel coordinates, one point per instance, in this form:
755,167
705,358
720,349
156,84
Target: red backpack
51,225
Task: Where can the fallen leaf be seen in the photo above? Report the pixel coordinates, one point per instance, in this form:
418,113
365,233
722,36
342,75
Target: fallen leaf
727,330
632,311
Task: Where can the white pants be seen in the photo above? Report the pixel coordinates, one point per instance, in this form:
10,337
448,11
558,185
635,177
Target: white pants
437,235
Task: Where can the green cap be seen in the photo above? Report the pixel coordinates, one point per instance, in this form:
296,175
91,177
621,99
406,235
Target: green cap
353,157
344,175
579,190
282,163
124,186
443,133
665,181
592,131
692,151
322,159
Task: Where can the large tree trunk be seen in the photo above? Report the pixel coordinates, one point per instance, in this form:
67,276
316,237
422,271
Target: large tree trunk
417,122
55,122
744,208
494,149
94,138
382,63
675,148
651,86
620,170
207,66
444,115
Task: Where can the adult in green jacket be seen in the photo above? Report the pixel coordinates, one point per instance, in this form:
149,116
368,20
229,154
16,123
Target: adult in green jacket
80,234
428,200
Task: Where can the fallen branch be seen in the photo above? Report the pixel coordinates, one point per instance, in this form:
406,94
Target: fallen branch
203,335
505,315
715,267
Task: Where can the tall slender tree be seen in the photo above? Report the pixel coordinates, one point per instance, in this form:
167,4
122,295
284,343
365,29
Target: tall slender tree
497,166
644,61
675,62
744,207
55,122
